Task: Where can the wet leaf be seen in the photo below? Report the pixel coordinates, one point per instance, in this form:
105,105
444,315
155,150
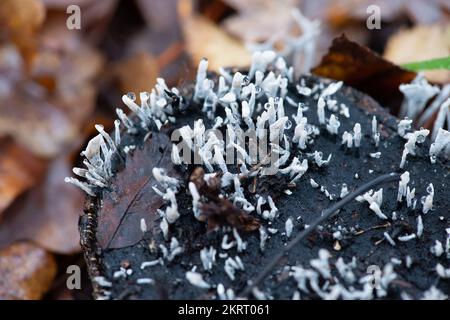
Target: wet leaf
48,213
132,198
421,43
19,170
362,68
27,271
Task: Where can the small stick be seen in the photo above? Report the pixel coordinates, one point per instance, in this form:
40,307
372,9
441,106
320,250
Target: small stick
389,177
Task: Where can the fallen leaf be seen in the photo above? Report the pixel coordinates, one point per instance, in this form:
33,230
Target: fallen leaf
137,73
19,21
363,69
218,211
132,198
341,12
225,213
205,39
421,43
27,271
159,15
426,11
47,214
44,112
19,170
260,20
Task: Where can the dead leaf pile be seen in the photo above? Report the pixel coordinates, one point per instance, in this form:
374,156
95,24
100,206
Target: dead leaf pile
55,83
27,271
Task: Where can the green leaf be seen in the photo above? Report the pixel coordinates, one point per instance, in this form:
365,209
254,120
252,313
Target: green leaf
440,63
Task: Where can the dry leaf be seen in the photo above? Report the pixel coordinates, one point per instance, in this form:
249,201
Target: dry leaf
421,43
205,39
132,198
427,11
225,213
44,113
19,21
342,12
260,20
27,271
48,214
137,73
19,170
363,69
159,14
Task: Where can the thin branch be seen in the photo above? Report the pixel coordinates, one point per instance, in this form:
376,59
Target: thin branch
389,177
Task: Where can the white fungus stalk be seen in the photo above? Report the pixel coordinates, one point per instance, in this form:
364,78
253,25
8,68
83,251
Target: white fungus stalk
262,238
289,227
442,272
437,249
208,257
143,225
402,186
403,126
407,237
195,200
410,146
196,279
344,191
321,110
374,124
441,145
410,194
417,94
419,226
389,239
333,125
347,139
357,135
427,201
331,89
313,183
443,114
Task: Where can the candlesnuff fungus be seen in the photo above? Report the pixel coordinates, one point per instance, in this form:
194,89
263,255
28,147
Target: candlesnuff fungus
205,187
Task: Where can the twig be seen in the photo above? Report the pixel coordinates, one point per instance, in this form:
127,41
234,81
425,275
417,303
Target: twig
389,177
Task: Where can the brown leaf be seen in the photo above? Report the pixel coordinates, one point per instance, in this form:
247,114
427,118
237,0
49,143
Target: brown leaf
427,11
132,198
421,43
363,69
137,73
159,15
45,112
19,170
19,21
341,12
205,39
260,20
27,271
223,212
48,213
218,211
